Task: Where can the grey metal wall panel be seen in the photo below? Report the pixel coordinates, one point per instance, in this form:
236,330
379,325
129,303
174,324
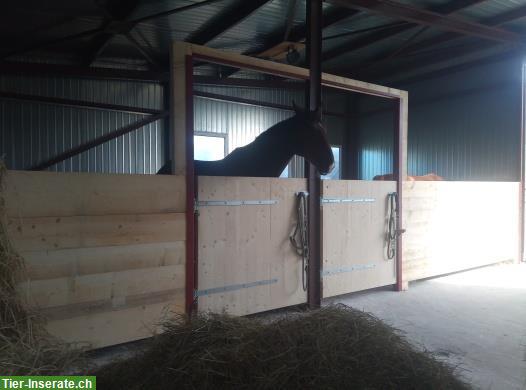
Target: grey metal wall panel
33,132
242,123
465,126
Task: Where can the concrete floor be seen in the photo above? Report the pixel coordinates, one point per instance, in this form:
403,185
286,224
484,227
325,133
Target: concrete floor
475,319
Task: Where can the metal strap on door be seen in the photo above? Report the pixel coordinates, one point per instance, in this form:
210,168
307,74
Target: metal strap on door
208,203
347,200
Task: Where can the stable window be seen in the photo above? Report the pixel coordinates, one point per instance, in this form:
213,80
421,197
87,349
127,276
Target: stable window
210,146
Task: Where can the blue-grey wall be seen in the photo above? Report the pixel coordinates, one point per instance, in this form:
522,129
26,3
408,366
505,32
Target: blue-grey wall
242,123
33,132
463,126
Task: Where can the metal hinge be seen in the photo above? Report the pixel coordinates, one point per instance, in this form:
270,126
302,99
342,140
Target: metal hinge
340,270
207,203
347,200
233,287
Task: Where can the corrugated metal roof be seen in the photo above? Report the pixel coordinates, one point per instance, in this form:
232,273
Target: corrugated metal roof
55,19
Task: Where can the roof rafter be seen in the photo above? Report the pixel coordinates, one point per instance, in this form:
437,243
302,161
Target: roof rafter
299,32
117,11
446,9
442,58
429,18
225,20
88,33
496,20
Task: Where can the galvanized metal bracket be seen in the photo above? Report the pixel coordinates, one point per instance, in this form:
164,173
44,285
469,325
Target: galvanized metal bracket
352,268
233,287
208,203
347,200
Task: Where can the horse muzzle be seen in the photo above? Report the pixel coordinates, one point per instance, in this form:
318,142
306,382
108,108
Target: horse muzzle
328,170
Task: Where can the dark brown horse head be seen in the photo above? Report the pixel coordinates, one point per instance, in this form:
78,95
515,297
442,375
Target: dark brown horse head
312,141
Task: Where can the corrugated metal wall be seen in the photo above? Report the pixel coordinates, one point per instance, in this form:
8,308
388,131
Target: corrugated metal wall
375,154
242,123
33,132
464,126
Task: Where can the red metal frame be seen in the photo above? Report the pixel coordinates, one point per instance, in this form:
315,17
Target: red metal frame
191,182
522,167
191,234
397,164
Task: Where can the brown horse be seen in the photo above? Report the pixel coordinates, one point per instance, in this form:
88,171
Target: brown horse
427,177
268,155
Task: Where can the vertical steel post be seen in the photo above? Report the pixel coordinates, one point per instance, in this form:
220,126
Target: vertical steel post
313,102
399,167
167,130
522,166
191,240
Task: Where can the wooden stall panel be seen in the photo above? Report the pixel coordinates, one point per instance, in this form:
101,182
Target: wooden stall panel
246,249
354,237
50,194
104,254
453,226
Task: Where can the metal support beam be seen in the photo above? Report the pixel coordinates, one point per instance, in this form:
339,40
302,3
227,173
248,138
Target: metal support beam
225,20
458,68
251,83
299,33
449,56
55,41
446,9
96,142
116,11
77,103
365,41
257,103
429,18
191,193
493,21
522,188
83,72
313,103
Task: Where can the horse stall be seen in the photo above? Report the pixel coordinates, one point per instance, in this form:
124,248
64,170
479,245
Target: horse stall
244,260
108,255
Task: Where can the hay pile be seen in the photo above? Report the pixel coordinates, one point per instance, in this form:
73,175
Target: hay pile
335,347
25,346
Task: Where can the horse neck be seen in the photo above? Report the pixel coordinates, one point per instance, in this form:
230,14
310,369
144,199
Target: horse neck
280,142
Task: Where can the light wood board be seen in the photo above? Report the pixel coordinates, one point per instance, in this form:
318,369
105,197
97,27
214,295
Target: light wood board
453,226
45,194
104,254
354,235
247,244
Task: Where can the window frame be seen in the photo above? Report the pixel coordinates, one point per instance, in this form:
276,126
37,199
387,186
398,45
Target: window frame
216,135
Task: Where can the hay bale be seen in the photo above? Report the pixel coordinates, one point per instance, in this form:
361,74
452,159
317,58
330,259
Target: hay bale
335,347
25,346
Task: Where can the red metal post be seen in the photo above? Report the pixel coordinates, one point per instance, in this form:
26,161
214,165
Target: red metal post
313,103
522,163
191,264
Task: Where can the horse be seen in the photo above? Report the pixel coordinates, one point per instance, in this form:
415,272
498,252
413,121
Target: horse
427,177
267,156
